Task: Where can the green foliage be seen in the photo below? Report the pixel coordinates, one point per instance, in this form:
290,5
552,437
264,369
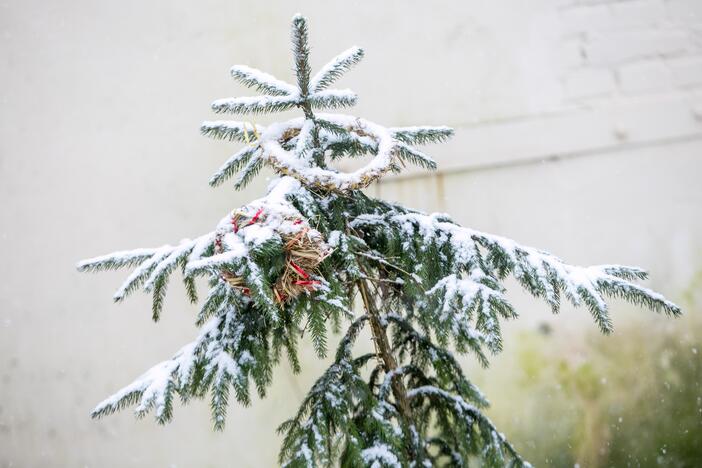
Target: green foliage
416,157
301,53
336,68
246,160
311,436
615,402
425,284
243,132
422,135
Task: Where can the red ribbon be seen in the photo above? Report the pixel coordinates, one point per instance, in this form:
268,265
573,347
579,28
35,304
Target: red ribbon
255,217
306,282
299,270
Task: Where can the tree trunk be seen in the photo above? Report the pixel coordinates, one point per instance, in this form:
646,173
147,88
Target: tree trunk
384,351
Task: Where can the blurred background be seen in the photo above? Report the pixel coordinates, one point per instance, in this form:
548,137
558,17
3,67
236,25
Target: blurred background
578,130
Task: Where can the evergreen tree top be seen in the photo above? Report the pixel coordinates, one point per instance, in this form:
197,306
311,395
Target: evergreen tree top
302,147
315,253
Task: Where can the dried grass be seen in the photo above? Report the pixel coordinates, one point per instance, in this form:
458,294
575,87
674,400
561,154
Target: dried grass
303,254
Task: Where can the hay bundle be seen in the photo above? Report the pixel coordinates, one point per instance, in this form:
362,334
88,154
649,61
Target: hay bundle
304,250
362,135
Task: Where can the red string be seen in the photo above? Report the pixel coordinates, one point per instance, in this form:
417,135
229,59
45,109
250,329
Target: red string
255,217
306,282
299,270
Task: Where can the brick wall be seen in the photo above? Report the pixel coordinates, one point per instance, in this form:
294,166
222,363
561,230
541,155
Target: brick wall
621,49
586,76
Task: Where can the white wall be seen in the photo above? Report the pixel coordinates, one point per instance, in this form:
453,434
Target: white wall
578,129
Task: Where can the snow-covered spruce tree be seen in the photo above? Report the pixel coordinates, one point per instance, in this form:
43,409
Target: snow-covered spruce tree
301,259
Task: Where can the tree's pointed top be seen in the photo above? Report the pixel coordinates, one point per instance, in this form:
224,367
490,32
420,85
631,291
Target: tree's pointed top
342,135
301,52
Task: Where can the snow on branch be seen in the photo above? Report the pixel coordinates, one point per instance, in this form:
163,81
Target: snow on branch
540,273
336,67
216,351
330,137
286,146
459,296
457,401
545,275
249,171
327,410
152,264
422,135
236,252
427,353
153,267
286,162
234,164
244,132
301,52
264,82
153,390
333,99
380,455
414,156
168,264
468,416
305,140
256,104
115,260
